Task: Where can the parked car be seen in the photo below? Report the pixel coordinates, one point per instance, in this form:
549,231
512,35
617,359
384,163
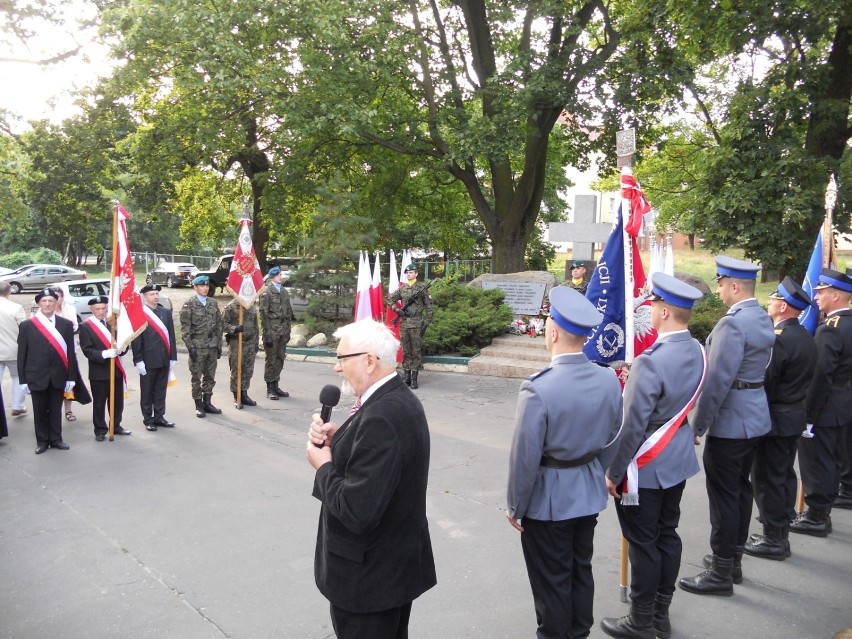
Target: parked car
6,271
218,273
173,274
36,276
79,292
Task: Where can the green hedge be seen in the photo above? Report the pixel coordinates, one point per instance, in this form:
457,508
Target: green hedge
706,312
33,256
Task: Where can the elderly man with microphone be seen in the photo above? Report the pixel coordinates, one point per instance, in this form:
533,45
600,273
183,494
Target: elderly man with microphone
374,553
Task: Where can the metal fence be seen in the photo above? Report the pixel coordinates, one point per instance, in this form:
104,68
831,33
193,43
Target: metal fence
150,260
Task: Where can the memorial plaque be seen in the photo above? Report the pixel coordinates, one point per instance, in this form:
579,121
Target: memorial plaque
524,298
625,142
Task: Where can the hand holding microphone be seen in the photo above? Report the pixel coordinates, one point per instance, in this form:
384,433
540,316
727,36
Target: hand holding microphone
329,397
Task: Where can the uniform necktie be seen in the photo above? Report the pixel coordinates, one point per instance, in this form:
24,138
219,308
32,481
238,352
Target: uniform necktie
356,407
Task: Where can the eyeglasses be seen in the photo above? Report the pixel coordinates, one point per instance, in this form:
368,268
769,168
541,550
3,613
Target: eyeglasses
340,357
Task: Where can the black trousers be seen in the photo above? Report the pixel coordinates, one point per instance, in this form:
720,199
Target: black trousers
655,546
774,479
387,624
47,414
152,400
819,461
846,457
558,555
727,464
100,399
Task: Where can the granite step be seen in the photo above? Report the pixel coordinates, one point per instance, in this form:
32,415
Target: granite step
511,356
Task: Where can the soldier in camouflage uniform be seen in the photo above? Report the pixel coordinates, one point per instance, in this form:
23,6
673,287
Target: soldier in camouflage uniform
232,327
201,330
414,323
276,313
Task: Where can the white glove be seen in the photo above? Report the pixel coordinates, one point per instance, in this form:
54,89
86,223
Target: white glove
109,353
69,386
140,366
808,433
172,363
26,388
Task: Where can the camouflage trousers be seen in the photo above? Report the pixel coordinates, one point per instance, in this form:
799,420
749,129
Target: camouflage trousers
249,355
275,356
203,372
412,346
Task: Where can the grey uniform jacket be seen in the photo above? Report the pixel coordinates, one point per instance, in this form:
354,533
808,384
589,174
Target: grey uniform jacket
662,381
566,411
738,350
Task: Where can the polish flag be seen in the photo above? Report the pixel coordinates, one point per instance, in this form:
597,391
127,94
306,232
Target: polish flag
376,297
125,303
363,308
390,316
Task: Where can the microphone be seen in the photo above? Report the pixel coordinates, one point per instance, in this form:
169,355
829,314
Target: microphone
329,397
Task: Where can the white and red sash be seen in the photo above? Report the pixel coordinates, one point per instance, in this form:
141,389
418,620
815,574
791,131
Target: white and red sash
48,330
106,339
654,445
159,328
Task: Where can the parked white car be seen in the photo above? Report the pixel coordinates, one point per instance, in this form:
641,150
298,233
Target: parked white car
79,292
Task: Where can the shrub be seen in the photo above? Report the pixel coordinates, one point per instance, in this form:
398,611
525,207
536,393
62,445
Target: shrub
33,256
706,312
465,318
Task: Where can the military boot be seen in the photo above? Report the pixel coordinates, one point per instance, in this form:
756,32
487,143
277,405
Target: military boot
785,538
637,625
248,401
769,545
279,392
408,378
270,391
843,499
716,580
662,625
414,379
199,408
814,521
736,570
209,407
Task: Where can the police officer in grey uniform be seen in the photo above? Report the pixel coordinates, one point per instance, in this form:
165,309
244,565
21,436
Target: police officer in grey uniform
663,384
201,330
566,417
788,376
233,329
734,413
829,405
276,314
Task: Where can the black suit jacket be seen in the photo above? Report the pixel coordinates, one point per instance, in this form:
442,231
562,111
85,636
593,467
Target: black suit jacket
788,376
92,347
830,392
39,365
373,547
149,347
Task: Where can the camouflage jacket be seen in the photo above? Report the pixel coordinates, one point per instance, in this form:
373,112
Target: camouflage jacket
275,310
231,318
201,325
420,312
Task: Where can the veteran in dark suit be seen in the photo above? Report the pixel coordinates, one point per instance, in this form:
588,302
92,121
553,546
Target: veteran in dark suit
154,355
47,367
566,417
829,404
734,413
373,554
788,376
96,344
655,457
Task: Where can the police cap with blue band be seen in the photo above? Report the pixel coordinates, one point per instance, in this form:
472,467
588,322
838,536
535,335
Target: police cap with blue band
738,269
835,279
572,312
792,293
672,291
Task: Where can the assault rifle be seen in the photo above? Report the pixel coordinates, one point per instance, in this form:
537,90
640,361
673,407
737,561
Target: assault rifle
404,312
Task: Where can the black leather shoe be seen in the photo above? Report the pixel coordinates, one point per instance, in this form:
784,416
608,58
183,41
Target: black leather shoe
843,500
281,393
41,448
816,523
60,445
165,423
100,438
151,427
120,431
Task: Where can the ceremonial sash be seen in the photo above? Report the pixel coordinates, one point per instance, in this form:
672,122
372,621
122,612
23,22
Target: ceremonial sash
160,329
106,339
48,330
654,445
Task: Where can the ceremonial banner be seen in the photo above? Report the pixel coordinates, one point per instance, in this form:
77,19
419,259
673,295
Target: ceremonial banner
390,315
638,204
245,278
363,307
125,303
819,260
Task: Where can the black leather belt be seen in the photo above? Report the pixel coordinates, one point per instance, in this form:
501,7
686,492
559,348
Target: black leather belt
787,408
550,462
738,385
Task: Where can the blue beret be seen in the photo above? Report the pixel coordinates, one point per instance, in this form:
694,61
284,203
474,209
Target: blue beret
672,291
275,270
835,279
201,279
572,311
729,267
792,293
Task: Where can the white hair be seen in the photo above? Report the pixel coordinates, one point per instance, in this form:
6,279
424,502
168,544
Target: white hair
373,337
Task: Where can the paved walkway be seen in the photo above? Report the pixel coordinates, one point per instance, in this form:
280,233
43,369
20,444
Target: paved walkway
208,530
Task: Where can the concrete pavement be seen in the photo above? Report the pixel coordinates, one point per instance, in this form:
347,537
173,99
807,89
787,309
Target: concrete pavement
208,530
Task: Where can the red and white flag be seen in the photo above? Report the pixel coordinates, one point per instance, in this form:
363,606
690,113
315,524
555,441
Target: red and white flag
390,316
638,204
245,279
363,307
125,303
376,298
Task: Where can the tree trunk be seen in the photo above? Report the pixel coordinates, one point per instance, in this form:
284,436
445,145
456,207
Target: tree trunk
508,249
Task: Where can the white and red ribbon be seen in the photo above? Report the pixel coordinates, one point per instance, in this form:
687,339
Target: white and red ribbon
54,338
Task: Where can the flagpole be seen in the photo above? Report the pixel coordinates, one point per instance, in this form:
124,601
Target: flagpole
239,397
111,431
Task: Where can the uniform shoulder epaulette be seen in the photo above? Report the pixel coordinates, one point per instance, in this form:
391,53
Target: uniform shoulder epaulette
734,311
832,322
778,331
539,374
650,349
